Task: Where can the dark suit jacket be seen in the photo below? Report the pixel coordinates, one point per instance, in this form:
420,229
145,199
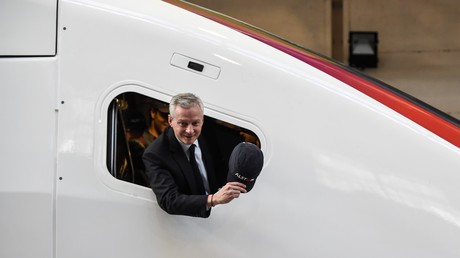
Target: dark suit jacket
171,176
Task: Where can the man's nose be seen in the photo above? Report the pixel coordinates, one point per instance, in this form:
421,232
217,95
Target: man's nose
189,129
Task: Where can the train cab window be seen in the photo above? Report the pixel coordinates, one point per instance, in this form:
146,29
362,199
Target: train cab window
135,121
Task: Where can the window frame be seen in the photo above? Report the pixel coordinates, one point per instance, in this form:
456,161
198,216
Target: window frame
105,125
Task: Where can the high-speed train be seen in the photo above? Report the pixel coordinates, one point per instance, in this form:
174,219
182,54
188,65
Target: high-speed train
353,167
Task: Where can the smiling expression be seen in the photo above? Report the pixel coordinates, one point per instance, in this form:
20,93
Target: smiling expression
187,123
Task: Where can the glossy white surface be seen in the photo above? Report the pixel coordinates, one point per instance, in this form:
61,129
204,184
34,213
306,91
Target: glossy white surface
28,156
344,176
28,27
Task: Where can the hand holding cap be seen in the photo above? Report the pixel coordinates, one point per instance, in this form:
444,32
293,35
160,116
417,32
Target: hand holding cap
245,164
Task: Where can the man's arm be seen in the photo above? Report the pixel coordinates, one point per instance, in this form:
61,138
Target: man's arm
171,188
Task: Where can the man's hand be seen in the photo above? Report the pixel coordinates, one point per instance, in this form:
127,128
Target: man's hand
229,192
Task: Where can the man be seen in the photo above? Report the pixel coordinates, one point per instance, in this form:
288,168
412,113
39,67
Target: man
179,167
135,125
158,121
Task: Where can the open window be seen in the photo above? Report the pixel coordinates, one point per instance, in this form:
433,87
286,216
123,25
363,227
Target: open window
135,121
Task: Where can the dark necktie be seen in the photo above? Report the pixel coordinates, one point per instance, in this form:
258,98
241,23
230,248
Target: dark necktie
196,170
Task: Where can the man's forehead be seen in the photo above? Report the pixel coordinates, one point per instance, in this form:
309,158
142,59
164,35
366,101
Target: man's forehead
194,110
185,119
189,116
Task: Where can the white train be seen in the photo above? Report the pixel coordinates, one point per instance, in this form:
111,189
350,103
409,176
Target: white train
353,167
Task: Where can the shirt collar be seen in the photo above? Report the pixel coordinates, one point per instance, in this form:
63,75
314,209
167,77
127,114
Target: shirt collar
185,147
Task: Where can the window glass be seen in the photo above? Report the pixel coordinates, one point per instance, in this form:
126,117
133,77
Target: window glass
135,121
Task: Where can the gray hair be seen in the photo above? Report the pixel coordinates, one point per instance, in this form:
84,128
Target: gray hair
184,100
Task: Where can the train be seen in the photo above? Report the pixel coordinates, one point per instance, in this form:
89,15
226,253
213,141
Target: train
353,167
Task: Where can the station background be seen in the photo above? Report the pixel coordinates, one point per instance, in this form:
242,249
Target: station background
419,40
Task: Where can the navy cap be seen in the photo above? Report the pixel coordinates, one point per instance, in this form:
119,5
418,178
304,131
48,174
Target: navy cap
245,164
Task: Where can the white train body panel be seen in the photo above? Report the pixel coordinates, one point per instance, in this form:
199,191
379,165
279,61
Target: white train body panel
344,174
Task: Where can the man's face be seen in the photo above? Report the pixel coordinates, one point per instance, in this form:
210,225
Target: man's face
187,123
160,120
